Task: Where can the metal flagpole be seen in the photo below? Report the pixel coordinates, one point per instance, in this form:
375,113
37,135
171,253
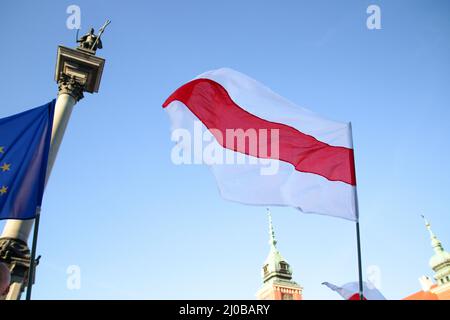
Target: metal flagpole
32,268
358,244
358,237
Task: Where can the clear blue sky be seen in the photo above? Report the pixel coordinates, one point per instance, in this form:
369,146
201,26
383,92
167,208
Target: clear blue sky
140,227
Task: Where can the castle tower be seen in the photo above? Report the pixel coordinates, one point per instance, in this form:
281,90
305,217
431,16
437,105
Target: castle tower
277,274
440,263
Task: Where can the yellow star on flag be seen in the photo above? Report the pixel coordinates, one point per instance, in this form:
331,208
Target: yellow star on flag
6,167
2,149
3,190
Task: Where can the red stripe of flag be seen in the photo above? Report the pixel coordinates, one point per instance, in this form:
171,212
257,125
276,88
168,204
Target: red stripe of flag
212,105
356,297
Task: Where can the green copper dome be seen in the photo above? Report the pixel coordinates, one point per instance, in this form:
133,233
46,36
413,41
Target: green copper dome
440,261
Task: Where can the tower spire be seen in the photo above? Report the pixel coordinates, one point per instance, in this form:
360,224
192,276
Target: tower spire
435,243
272,240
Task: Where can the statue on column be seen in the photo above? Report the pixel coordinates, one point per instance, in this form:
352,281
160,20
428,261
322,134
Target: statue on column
90,42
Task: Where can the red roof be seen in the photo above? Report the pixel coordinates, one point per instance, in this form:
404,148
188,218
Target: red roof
422,295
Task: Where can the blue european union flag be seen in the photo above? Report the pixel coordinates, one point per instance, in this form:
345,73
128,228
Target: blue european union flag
24,147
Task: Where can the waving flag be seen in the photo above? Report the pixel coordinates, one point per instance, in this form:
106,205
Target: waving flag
24,147
284,154
350,291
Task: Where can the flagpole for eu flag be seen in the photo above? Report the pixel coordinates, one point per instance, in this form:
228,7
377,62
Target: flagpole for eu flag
358,236
32,268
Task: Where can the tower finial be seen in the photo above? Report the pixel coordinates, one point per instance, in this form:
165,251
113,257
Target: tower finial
272,241
435,243
428,226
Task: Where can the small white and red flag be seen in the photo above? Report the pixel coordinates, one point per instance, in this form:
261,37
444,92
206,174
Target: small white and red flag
286,155
350,291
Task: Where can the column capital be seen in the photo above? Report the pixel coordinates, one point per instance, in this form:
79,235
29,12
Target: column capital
69,85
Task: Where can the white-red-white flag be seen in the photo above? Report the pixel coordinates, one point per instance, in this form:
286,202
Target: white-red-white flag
283,154
350,291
